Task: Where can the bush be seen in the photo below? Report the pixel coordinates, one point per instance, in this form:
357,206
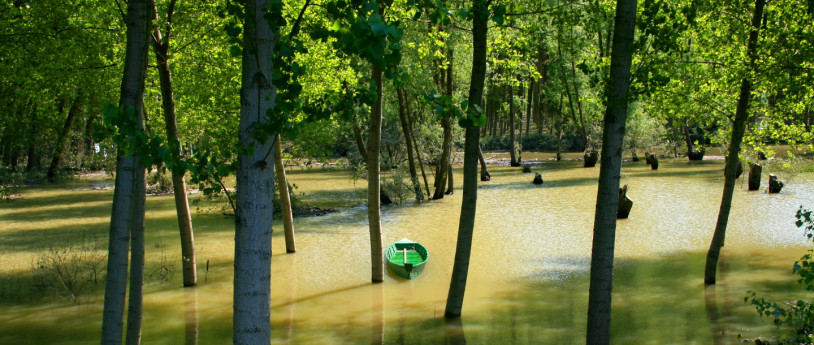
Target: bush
66,273
159,182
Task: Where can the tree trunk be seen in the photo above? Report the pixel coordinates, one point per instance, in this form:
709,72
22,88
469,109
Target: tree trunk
405,127
450,182
512,140
441,179
460,269
360,142
602,254
285,197
255,181
62,140
128,196
373,183
33,162
484,170
738,128
135,302
161,45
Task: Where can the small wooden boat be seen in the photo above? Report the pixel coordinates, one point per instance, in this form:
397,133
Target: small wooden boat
406,258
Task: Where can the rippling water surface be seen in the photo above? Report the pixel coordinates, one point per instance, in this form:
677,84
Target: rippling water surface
528,274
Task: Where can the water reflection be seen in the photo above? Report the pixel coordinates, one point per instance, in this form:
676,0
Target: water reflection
528,278
191,323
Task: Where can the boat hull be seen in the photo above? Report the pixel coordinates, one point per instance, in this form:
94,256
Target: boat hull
406,258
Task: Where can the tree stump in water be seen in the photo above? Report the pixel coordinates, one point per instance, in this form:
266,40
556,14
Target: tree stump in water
590,158
653,161
538,179
635,158
485,176
647,158
696,155
738,169
775,185
384,198
526,169
625,204
754,176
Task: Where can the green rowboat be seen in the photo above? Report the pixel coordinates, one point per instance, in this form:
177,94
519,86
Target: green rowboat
406,258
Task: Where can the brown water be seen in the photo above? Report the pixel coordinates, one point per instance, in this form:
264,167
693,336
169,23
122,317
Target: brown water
528,274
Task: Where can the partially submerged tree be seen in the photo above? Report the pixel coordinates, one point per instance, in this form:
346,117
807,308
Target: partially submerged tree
617,92
127,218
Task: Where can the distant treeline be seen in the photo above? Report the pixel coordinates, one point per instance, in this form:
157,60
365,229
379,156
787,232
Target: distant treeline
536,142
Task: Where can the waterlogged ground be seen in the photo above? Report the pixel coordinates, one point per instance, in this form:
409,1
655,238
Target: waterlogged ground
528,280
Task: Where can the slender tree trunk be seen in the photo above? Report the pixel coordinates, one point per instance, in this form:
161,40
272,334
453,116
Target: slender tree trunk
512,140
128,196
136,297
463,248
373,183
738,128
33,156
360,142
255,180
441,179
602,254
62,140
484,170
161,47
450,182
529,106
421,165
285,197
405,127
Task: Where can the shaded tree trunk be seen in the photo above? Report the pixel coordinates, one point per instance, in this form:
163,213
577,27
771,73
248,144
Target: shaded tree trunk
405,127
62,140
463,248
512,140
285,196
373,183
360,142
484,170
127,216
441,179
255,181
161,47
602,254
738,128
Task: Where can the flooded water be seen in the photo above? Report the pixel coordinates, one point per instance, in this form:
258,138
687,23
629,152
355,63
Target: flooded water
528,281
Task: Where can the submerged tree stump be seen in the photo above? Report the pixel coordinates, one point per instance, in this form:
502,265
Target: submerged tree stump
696,155
526,168
384,198
625,204
538,179
590,158
653,161
775,185
754,176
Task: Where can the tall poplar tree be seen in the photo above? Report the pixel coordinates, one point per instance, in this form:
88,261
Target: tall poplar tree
255,176
617,95
473,120
128,198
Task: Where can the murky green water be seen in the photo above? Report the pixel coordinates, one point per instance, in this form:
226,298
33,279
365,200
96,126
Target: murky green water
528,276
